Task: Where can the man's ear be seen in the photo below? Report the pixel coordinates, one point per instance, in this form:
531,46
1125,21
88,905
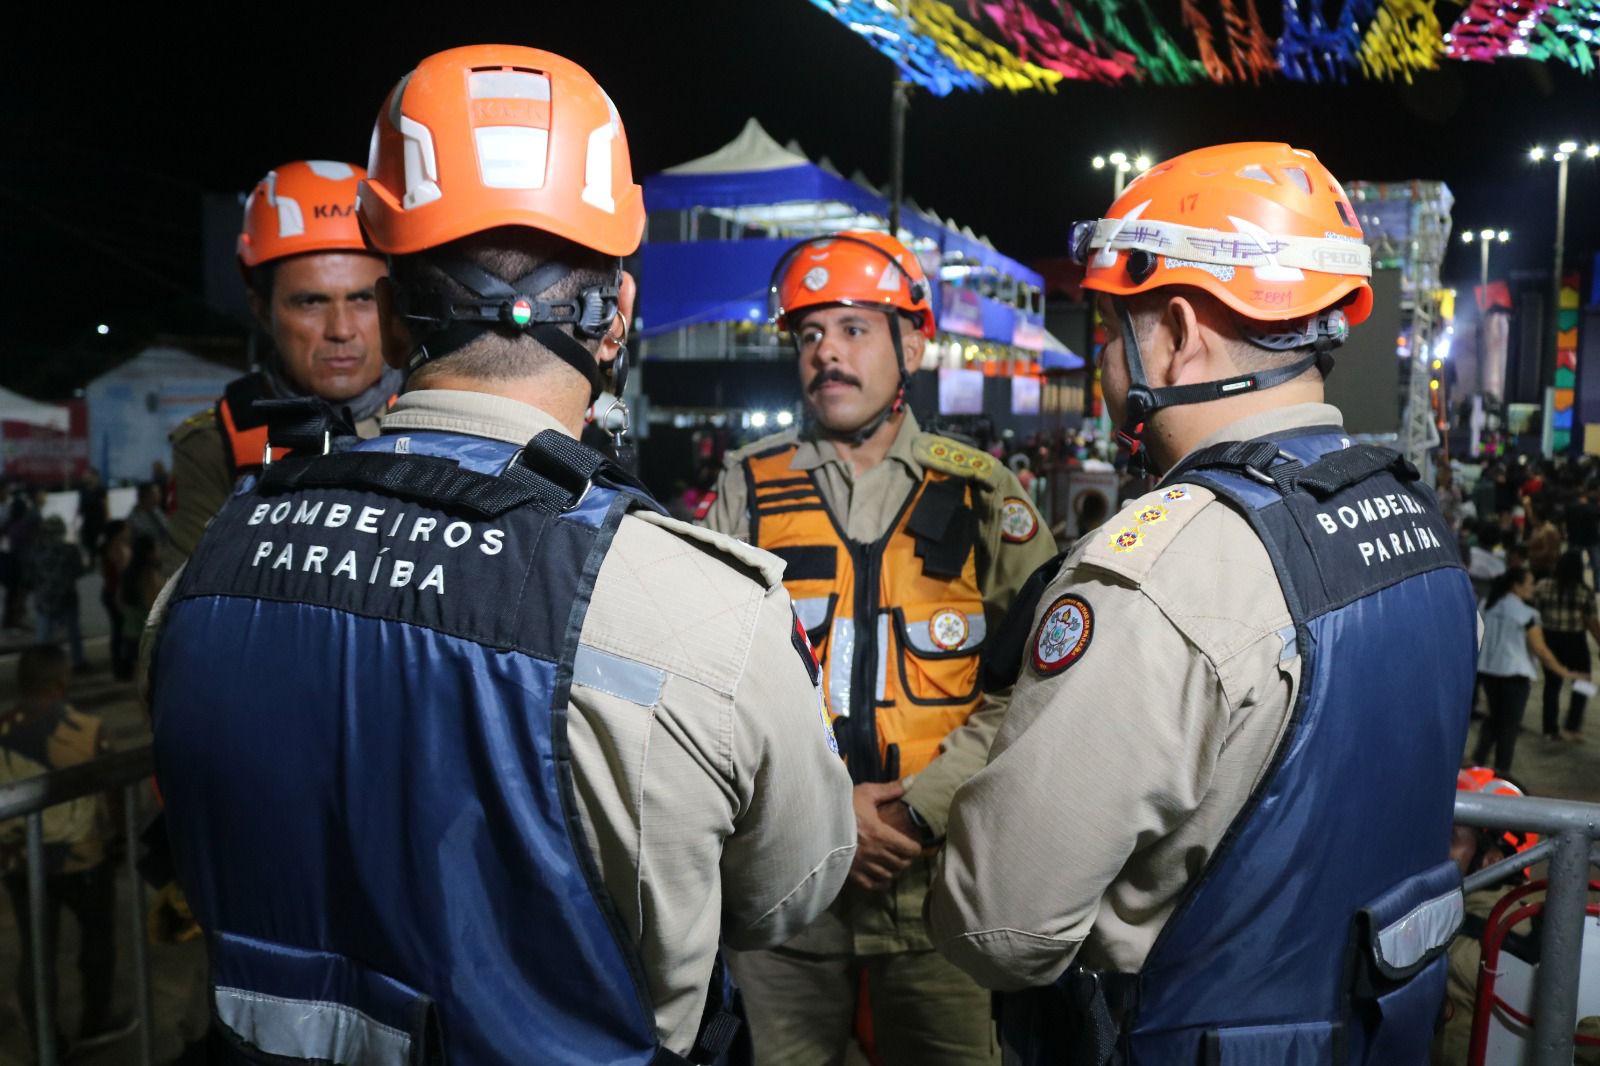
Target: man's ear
1180,348
396,335
914,344
260,309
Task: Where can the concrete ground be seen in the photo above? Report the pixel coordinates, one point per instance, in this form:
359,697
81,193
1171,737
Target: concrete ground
1561,770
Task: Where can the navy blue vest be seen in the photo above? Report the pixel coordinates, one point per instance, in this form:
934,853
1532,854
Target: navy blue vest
1316,933
360,698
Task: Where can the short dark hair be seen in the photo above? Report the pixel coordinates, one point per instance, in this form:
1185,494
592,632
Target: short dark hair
260,278
40,669
1249,357
509,253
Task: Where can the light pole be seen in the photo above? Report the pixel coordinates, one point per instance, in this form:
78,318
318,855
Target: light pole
1121,165
1563,153
1485,238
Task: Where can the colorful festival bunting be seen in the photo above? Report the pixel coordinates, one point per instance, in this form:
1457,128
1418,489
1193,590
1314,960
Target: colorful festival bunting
1018,46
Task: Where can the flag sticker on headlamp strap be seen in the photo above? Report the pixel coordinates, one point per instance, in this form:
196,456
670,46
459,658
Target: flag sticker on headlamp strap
1064,634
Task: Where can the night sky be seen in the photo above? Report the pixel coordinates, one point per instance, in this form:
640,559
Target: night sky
112,133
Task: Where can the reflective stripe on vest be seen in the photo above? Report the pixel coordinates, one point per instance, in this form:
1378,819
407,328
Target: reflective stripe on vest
1316,932
360,731
900,647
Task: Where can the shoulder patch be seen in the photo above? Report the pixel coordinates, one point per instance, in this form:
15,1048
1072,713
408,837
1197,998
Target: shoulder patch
1134,538
200,420
771,443
1064,634
768,566
1018,521
952,457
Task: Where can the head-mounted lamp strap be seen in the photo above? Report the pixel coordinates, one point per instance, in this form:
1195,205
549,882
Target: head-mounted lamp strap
1248,245
513,306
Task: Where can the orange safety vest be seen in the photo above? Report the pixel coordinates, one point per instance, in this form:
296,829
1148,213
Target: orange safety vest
244,431
898,624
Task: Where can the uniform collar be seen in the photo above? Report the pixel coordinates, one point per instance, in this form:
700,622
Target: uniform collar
1277,420
814,451
478,414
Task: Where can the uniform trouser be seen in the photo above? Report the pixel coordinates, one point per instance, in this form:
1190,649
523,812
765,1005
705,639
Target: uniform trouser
1508,699
91,897
801,1008
1571,649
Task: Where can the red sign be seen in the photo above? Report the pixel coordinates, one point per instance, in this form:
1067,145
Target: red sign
44,455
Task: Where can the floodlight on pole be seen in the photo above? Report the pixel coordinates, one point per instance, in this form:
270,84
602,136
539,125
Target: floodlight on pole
1564,152
1486,238
1122,164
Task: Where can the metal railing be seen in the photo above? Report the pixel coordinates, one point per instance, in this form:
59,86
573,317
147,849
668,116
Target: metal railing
27,799
1569,831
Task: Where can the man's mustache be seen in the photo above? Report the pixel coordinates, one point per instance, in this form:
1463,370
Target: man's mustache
831,375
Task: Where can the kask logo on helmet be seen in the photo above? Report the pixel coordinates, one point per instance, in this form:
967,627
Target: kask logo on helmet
333,211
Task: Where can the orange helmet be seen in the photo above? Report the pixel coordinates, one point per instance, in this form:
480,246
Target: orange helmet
1263,227
859,268
499,135
1482,779
307,206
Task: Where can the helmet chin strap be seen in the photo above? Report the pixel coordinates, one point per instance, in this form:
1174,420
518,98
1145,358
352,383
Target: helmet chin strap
857,437
1142,401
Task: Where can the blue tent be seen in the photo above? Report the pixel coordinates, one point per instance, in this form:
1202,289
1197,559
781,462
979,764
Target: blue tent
691,282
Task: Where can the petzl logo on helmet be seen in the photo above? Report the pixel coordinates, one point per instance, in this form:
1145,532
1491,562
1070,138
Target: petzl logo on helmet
815,278
1337,261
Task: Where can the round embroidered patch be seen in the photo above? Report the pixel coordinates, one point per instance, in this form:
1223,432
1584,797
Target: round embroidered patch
1176,493
1152,514
1018,523
815,278
948,629
1128,539
1064,634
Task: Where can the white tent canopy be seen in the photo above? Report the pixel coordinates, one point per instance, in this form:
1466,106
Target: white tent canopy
133,407
15,407
753,149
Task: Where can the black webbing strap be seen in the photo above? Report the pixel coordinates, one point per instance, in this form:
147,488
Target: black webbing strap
426,479
1252,457
1091,996
719,1024
305,424
1206,391
571,462
1341,469
552,473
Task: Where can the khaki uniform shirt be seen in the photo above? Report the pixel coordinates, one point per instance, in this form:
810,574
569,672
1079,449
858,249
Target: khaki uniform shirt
865,505
1114,777
202,476
713,804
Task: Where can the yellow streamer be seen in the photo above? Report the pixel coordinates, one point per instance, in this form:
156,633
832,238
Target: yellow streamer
968,48
1404,37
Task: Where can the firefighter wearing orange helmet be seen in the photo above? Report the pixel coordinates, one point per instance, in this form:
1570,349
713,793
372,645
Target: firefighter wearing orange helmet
1214,823
507,753
902,549
310,278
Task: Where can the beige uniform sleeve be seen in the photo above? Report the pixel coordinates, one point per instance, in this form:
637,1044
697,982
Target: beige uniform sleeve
201,481
1114,750
1011,561
794,830
729,513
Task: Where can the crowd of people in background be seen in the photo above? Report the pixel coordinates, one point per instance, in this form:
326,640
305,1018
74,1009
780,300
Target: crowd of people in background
43,556
1529,532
